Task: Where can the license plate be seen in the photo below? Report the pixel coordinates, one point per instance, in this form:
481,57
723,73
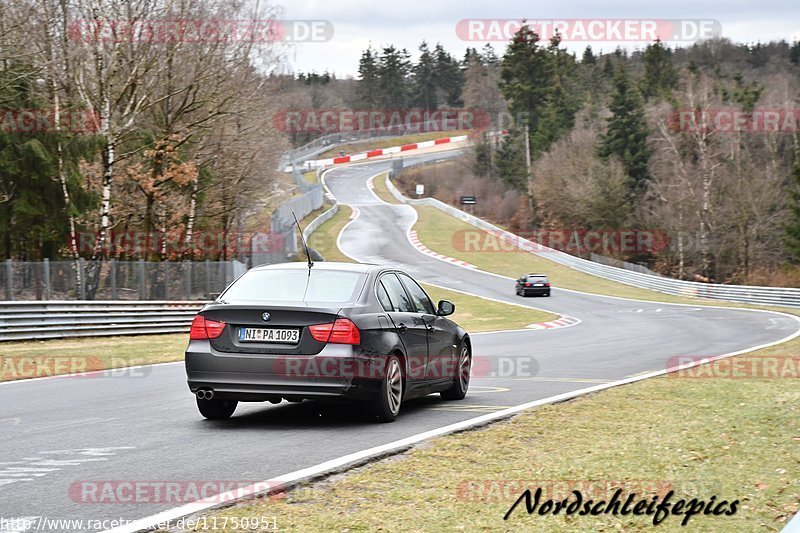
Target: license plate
538,284
285,336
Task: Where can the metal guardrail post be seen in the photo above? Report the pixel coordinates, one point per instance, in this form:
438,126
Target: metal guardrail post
142,281
46,277
82,270
113,275
9,280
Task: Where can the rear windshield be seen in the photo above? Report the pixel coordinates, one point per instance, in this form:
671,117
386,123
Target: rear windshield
323,286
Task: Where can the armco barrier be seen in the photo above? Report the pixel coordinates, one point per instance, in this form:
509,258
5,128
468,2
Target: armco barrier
787,297
58,319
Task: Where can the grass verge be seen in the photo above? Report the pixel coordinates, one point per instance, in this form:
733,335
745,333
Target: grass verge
324,239
380,188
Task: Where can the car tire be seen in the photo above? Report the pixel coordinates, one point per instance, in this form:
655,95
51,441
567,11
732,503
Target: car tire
461,381
390,393
216,409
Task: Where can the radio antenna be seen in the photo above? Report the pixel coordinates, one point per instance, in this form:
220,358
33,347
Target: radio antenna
303,240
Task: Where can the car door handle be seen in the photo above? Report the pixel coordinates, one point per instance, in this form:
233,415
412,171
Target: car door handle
428,327
402,328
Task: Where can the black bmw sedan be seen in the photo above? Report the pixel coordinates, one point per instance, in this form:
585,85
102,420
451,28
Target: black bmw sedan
329,331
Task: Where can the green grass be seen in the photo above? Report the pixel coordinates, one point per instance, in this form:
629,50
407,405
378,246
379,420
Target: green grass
324,239
380,188
358,147
18,360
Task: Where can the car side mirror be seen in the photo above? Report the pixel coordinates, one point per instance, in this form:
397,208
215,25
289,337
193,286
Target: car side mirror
445,308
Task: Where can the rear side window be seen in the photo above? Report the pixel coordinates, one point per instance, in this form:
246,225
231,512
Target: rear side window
322,286
383,297
421,301
397,294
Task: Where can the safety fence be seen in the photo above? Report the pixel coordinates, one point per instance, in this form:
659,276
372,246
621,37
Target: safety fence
58,319
116,280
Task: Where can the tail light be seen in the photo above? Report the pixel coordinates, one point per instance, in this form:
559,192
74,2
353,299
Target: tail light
203,329
341,331
527,284
547,284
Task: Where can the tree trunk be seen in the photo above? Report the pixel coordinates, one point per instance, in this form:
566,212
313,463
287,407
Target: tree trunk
188,246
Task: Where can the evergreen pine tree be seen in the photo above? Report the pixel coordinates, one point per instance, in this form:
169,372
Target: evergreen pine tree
393,89
367,87
448,75
425,87
526,72
557,119
626,135
588,57
660,76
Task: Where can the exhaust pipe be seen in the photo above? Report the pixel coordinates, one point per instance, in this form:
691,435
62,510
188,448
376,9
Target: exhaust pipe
205,394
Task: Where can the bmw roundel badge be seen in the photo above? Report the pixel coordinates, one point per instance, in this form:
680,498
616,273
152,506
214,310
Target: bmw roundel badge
265,316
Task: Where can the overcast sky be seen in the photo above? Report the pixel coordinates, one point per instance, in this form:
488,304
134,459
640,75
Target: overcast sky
405,23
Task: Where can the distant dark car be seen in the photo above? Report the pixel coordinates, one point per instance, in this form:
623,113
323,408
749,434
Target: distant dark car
533,285
332,331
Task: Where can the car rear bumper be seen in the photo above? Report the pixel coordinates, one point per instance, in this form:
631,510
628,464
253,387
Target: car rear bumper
337,371
536,290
